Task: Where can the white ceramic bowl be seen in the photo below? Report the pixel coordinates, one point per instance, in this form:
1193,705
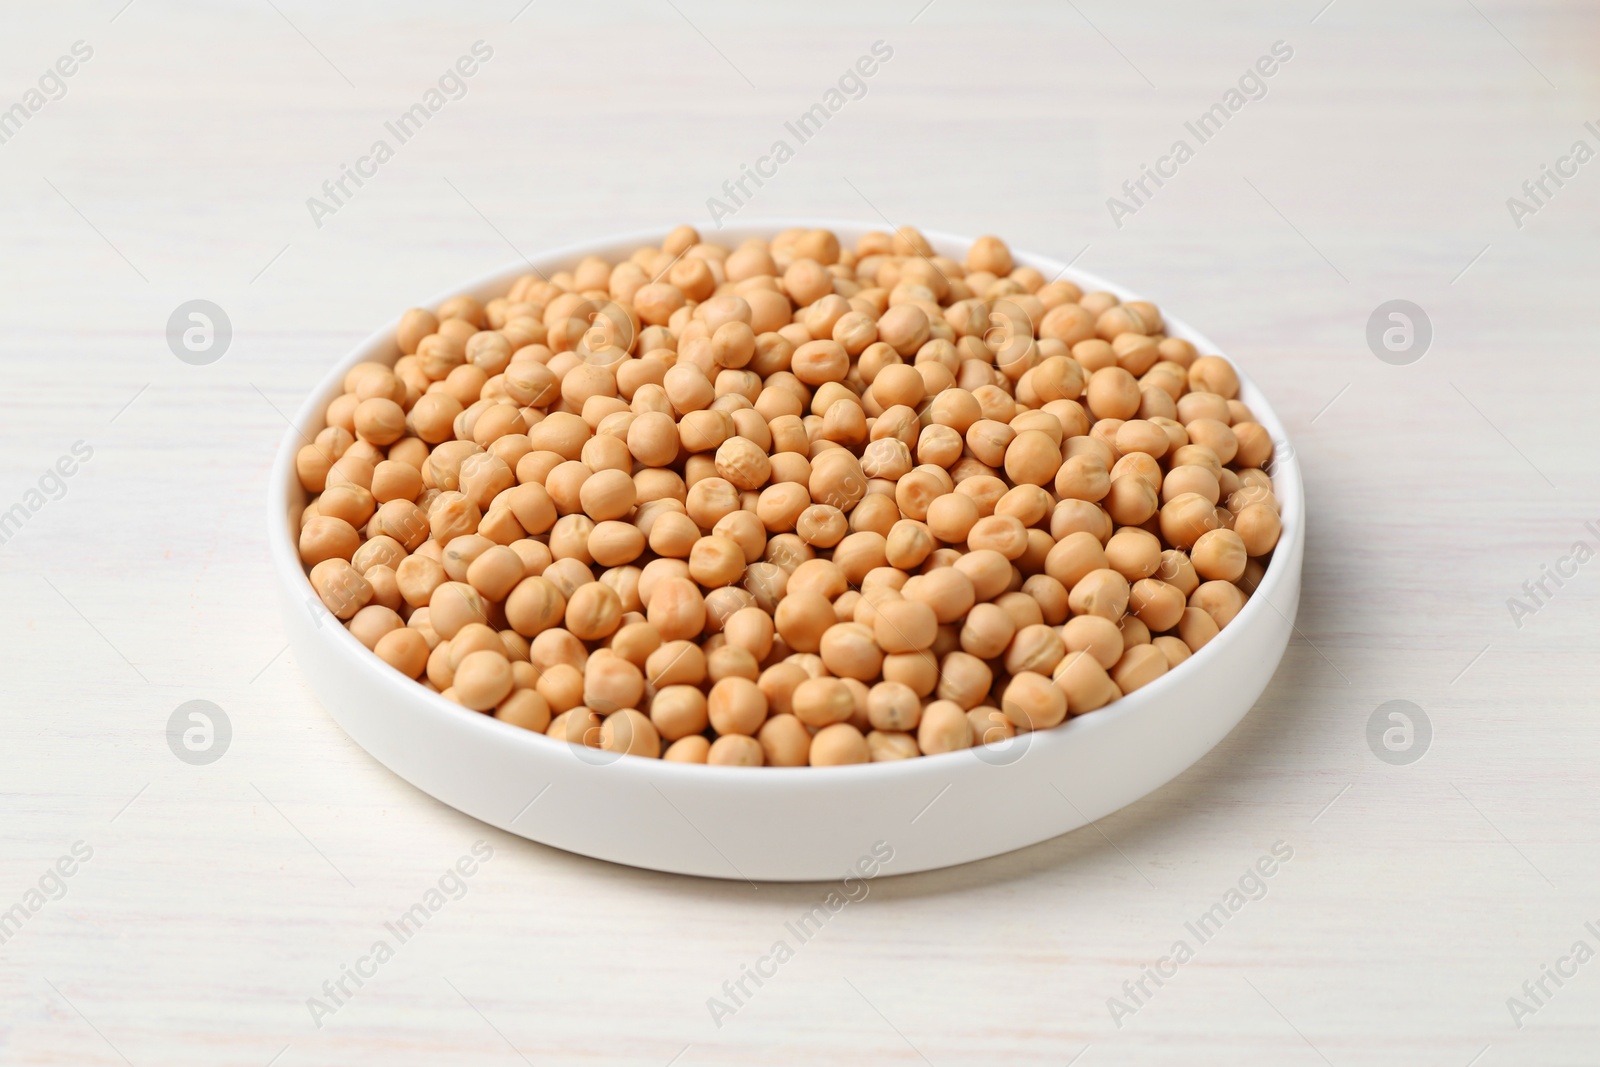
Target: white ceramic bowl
785,824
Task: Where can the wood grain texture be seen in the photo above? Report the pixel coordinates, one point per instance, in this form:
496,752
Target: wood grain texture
1377,166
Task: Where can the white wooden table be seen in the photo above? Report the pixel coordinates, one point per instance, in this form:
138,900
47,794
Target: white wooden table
219,898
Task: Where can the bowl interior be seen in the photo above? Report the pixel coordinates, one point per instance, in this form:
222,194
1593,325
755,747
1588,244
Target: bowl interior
287,499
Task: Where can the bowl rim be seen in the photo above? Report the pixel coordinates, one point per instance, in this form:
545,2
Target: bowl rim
283,485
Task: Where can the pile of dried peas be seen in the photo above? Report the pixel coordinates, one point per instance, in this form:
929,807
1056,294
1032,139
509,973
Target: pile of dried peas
788,503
